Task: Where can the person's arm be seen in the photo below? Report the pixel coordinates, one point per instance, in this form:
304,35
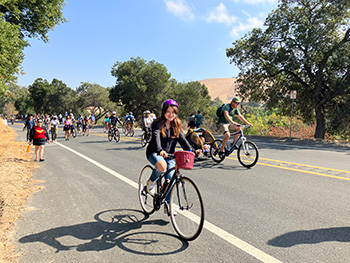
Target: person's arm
229,119
157,137
241,117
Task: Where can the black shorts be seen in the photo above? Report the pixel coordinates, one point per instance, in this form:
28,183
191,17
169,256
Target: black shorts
39,142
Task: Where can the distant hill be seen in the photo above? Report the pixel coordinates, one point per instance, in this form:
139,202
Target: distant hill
224,88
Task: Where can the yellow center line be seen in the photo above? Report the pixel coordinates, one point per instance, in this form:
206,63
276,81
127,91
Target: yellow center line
299,170
306,165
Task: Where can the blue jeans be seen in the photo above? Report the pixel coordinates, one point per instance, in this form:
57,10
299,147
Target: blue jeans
155,158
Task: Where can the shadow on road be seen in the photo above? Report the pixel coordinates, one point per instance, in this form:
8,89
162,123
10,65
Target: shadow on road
112,228
340,234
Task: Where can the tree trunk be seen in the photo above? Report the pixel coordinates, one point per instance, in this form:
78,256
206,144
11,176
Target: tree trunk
320,123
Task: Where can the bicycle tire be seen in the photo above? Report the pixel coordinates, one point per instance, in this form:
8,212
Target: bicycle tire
145,198
248,157
132,133
74,133
117,135
143,140
186,209
215,147
110,136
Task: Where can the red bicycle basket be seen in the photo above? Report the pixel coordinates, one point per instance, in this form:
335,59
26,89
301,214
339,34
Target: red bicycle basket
184,159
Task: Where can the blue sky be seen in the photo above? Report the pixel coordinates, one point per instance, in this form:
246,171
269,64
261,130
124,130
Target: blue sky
189,37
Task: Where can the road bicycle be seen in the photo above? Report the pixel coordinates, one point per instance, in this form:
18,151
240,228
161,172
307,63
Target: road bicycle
146,138
113,133
128,129
185,208
247,151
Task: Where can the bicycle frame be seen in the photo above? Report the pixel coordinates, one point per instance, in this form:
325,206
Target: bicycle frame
241,136
159,198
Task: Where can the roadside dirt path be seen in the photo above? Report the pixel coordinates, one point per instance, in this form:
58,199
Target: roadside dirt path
16,184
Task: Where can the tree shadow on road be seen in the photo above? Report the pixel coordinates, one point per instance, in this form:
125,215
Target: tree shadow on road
112,228
339,234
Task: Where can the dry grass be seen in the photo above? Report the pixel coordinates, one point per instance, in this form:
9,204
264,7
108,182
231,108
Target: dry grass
224,88
16,184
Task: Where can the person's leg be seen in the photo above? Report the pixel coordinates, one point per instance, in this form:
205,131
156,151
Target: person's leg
170,164
36,153
225,129
41,152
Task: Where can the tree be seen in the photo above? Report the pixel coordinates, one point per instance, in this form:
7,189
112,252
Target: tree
52,98
191,97
140,85
9,109
305,47
96,96
22,19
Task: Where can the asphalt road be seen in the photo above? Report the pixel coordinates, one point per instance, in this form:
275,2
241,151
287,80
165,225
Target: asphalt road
291,207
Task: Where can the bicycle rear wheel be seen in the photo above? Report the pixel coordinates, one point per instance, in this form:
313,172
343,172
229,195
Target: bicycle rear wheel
131,132
186,209
248,154
117,135
143,140
215,147
146,198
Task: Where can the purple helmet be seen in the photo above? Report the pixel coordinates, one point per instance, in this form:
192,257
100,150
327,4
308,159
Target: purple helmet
169,102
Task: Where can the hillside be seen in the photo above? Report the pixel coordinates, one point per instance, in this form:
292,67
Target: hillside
224,88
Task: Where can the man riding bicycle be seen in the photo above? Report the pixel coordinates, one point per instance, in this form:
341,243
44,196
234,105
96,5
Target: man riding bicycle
226,122
129,120
113,120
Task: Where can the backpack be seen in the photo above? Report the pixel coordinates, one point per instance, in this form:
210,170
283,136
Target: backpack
219,110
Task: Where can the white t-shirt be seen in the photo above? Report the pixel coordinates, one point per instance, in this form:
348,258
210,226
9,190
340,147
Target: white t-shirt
54,123
148,122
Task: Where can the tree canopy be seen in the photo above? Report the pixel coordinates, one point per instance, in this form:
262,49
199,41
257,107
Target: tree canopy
21,19
140,85
305,48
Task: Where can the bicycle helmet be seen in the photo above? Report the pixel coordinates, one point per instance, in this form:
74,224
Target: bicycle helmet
130,113
147,112
114,112
170,103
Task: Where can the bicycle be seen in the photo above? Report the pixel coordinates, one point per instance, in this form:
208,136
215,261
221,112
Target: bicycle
247,151
86,130
113,133
186,208
146,138
128,129
73,131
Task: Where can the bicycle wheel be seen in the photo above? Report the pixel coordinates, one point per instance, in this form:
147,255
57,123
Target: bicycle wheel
146,198
131,132
110,136
186,209
124,129
74,133
87,132
248,154
215,147
143,140
117,135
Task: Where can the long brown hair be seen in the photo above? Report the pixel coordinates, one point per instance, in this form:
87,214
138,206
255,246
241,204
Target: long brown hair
175,125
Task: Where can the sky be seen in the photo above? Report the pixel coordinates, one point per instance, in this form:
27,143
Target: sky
189,37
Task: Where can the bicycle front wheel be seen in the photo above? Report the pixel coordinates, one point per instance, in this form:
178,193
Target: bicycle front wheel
186,209
110,136
131,132
143,140
215,147
145,197
117,136
248,154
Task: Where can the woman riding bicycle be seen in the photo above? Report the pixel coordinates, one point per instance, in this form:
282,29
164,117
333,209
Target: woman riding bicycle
166,133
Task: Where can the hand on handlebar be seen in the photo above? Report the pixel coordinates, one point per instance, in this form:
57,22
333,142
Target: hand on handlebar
163,154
